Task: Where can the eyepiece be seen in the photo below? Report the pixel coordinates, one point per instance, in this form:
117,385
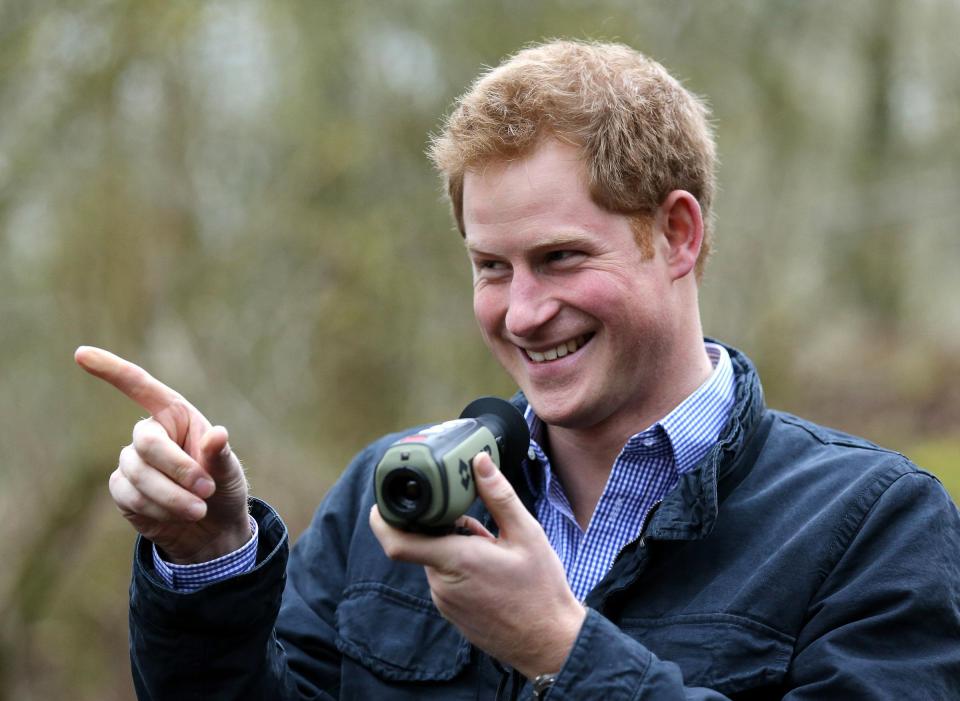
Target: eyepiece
508,425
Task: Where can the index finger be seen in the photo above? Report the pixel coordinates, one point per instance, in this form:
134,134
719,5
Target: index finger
132,380
435,551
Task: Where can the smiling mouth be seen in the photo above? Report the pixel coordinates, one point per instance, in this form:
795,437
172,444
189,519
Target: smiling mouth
563,349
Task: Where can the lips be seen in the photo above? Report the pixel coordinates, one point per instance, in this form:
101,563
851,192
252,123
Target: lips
558,351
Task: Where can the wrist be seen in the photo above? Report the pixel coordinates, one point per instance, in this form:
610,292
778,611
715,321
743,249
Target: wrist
226,542
187,578
554,645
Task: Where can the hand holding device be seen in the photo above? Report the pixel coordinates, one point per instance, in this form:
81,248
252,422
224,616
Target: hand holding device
507,594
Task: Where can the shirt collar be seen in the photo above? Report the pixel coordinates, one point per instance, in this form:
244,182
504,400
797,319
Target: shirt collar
692,427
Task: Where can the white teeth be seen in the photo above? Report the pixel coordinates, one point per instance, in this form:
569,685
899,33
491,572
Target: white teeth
561,350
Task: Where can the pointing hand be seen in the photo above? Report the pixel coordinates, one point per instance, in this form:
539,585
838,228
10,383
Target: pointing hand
178,483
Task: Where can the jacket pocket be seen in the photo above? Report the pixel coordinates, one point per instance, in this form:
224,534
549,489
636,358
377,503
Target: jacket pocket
725,652
398,636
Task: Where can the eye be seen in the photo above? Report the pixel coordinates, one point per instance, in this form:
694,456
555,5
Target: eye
563,258
489,267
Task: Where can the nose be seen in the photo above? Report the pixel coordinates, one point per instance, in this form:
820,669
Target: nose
531,304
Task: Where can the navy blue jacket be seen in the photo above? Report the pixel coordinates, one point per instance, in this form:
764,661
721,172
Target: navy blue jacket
794,562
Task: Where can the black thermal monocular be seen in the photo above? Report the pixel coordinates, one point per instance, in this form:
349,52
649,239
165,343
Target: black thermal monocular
425,481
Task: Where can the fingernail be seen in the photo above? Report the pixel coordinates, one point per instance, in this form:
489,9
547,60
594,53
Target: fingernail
197,510
204,487
485,469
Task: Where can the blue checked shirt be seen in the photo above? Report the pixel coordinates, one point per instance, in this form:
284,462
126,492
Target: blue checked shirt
644,472
188,578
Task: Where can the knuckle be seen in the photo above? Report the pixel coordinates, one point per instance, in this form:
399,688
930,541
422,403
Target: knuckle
132,470
181,472
459,563
118,487
503,495
147,442
171,501
143,429
178,410
136,502
127,453
393,550
138,428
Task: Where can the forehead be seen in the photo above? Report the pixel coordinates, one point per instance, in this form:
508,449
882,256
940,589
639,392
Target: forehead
545,192
552,170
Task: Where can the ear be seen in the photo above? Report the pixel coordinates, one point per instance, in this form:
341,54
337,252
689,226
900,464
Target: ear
681,222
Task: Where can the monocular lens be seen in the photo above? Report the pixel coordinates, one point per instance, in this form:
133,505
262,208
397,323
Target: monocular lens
411,490
407,492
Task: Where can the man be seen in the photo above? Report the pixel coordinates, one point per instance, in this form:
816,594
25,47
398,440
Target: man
670,538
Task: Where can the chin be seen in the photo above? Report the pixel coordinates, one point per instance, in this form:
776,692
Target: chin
570,416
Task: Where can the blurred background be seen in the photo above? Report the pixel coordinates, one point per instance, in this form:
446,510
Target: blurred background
234,195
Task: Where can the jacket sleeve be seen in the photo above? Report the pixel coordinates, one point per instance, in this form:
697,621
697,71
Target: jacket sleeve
217,642
606,663
885,622
268,634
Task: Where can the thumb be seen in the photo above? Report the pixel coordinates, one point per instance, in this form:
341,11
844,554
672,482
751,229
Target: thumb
216,456
500,497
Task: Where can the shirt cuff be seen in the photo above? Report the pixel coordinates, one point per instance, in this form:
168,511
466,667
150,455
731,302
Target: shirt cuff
189,578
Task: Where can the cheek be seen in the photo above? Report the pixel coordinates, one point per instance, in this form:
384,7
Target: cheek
627,308
603,297
488,311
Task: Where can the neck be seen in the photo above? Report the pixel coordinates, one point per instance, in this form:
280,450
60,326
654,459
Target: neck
582,457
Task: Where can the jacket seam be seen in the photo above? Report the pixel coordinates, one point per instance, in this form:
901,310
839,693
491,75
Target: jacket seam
359,589
843,545
842,540
837,439
740,620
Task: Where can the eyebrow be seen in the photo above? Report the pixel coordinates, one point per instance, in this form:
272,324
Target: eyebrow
562,240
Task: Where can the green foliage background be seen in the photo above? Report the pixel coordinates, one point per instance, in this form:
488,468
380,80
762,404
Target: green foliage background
234,195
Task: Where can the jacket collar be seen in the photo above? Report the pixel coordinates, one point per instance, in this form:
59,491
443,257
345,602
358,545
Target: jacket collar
690,511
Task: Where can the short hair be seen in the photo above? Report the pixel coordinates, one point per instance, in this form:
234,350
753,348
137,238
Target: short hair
641,133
